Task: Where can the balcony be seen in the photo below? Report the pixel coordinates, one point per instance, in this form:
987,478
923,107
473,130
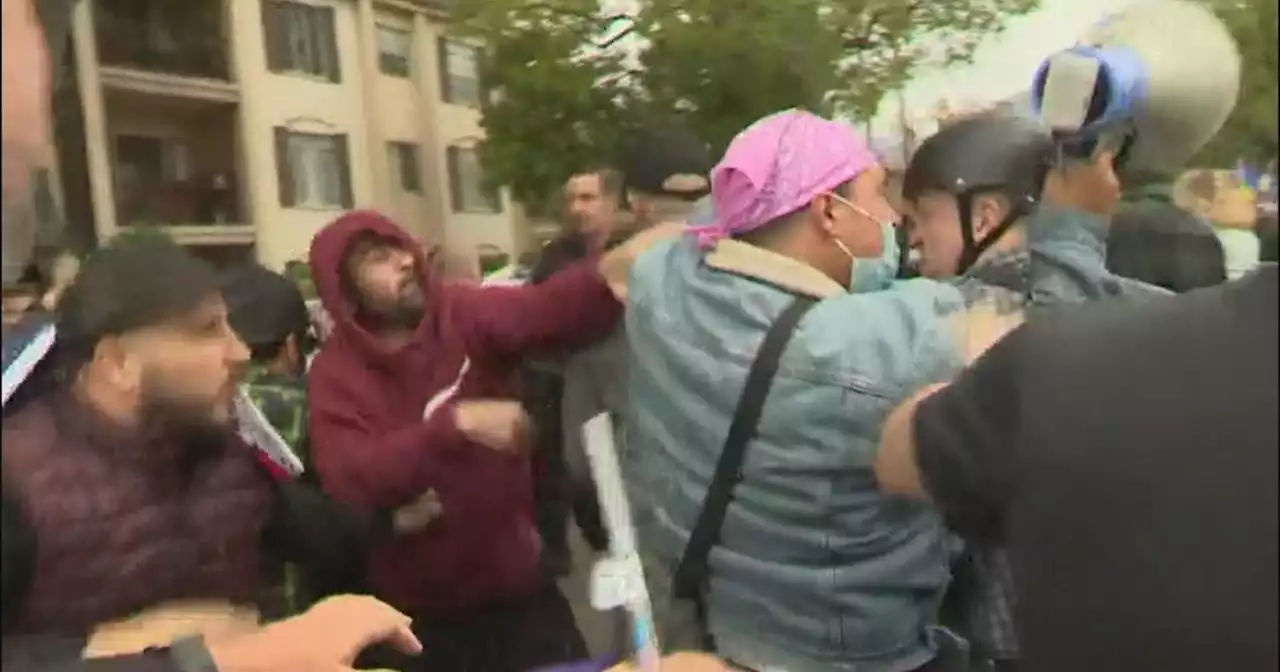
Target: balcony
203,209
175,165
164,47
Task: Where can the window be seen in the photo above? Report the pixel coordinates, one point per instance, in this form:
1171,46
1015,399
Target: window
459,74
404,165
313,170
395,51
466,183
300,39
148,158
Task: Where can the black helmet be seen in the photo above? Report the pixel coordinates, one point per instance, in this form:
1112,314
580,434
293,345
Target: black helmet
1003,154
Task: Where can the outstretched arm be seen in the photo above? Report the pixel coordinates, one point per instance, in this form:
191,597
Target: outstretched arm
573,308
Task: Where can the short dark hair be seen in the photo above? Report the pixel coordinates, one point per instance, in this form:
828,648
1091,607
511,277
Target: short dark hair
132,283
1164,245
264,308
265,353
610,178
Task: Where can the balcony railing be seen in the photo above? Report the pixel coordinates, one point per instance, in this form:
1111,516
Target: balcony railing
152,35
194,202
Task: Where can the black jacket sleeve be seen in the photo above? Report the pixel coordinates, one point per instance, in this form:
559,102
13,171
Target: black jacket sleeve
327,540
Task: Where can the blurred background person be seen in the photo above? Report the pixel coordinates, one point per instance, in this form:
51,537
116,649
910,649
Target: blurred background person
591,202
665,174
591,209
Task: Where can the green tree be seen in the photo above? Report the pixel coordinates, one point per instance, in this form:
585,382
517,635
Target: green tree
558,102
548,110
1250,132
731,63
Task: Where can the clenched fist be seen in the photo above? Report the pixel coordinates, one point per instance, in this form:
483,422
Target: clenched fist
500,424
1088,186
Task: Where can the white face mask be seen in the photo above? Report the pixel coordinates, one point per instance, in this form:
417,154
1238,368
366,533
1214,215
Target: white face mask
874,273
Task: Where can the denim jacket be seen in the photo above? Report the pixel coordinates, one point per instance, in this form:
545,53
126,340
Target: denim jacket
816,570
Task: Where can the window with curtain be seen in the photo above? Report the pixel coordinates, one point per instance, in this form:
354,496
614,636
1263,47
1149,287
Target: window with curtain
466,183
459,73
301,39
313,169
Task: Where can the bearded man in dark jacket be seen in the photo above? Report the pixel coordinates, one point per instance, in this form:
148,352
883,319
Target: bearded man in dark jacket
126,484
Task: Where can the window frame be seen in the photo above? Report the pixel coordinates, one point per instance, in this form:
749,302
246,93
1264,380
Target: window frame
300,173
285,22
173,154
449,89
406,162
386,32
489,203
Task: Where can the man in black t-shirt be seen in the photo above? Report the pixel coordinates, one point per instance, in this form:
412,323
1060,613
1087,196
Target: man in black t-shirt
1127,454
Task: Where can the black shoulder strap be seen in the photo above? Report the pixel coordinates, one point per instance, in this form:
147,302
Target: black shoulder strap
691,573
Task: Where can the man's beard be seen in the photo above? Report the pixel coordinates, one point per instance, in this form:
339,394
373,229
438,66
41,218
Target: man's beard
405,312
188,423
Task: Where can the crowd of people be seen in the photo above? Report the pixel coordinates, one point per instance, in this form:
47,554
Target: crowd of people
830,467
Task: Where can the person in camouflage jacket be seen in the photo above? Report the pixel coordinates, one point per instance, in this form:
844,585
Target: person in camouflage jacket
267,311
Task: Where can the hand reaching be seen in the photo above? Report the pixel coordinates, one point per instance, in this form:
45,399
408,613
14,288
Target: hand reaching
615,265
326,638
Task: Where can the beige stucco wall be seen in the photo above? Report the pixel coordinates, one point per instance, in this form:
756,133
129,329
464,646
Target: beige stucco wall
369,107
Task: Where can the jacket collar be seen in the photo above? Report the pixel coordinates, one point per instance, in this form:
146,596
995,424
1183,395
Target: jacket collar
1008,269
757,263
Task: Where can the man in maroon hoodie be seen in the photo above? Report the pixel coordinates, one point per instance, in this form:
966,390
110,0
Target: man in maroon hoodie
412,393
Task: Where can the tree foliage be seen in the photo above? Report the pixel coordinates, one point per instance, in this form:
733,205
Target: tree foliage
1250,132
560,103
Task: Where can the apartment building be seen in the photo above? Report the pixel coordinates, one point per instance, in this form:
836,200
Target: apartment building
244,126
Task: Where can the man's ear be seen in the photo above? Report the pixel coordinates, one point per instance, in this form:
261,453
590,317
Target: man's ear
292,350
115,359
986,214
820,208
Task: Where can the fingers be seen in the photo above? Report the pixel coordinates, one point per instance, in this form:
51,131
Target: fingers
375,622
404,641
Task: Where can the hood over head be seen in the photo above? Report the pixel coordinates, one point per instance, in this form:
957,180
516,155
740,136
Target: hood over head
329,249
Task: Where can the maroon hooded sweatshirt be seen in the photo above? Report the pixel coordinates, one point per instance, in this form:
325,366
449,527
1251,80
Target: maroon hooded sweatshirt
375,444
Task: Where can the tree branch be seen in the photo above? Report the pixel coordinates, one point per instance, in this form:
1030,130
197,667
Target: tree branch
864,39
